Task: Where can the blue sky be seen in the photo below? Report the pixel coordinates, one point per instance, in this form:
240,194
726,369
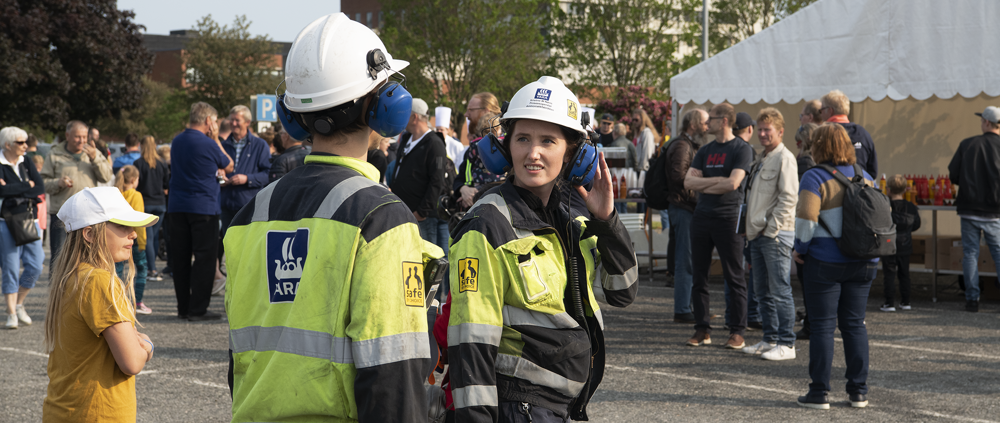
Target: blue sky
280,20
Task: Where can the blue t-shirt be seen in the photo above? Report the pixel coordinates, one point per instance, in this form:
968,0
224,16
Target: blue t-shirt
125,160
195,161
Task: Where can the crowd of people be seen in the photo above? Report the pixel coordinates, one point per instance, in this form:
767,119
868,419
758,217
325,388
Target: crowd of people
334,230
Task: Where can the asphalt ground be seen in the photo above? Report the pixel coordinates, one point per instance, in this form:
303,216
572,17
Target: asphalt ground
933,363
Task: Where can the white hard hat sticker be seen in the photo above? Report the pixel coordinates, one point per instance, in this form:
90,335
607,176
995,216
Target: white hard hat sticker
542,94
571,109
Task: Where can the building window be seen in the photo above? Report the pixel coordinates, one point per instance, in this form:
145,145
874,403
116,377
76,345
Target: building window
380,21
369,18
357,17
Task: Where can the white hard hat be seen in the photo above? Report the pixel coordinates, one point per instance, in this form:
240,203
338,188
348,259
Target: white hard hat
548,100
328,64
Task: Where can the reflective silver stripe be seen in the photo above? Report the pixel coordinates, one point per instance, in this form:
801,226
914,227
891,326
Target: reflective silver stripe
513,316
474,333
261,203
391,349
621,282
596,286
340,193
496,200
302,342
475,396
523,369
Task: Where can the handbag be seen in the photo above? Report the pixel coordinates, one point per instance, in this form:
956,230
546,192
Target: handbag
19,214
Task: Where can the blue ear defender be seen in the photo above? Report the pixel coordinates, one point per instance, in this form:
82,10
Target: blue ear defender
289,122
390,110
495,156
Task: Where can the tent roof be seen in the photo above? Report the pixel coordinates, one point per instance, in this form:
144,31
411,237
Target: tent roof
865,48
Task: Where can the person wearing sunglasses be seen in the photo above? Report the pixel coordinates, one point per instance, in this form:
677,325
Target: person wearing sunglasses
20,185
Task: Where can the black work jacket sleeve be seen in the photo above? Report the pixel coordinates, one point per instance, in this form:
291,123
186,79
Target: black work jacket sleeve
619,267
436,183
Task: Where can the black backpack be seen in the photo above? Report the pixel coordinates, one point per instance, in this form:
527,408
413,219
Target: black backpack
655,187
868,231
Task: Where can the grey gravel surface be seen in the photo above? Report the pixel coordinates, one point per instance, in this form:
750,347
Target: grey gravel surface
933,363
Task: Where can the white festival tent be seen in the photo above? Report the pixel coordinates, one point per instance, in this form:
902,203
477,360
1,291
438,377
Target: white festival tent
869,49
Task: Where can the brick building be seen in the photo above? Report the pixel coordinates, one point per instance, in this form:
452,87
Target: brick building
368,12
168,61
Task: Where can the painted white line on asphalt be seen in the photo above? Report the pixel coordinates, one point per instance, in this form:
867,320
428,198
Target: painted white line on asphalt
929,350
181,369
28,352
195,381
959,418
698,379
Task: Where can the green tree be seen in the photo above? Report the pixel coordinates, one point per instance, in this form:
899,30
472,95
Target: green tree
68,59
163,113
457,48
617,43
225,65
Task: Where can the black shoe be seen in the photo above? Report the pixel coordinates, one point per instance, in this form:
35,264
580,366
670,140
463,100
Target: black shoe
802,335
755,325
859,400
684,318
815,401
972,306
670,280
209,315
167,271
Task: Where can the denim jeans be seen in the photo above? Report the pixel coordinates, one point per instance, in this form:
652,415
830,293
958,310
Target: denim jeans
12,257
836,296
435,231
972,232
771,267
153,234
680,219
139,260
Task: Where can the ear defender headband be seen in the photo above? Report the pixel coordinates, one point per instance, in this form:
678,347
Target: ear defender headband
496,156
387,113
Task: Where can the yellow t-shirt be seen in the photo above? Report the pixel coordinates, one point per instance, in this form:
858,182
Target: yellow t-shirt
134,199
85,383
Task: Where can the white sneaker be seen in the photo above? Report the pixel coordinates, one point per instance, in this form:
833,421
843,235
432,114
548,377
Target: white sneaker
22,315
887,307
758,348
218,287
11,322
904,306
778,353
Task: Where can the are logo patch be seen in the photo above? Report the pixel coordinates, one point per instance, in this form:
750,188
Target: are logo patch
413,284
286,256
468,274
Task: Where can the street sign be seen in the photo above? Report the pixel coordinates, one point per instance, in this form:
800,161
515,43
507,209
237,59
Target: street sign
267,108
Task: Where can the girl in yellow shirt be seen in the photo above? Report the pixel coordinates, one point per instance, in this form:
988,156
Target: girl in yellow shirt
94,348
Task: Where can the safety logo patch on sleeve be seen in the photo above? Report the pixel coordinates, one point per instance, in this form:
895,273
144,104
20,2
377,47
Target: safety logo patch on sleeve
286,256
468,274
413,283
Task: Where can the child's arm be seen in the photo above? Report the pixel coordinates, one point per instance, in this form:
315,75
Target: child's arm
130,348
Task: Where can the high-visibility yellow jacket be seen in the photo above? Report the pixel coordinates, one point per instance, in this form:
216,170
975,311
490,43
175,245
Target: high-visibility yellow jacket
513,333
325,299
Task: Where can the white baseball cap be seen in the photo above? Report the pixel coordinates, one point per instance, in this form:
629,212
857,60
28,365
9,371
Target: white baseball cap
102,204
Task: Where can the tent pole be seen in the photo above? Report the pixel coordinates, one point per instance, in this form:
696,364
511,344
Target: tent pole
704,30
673,117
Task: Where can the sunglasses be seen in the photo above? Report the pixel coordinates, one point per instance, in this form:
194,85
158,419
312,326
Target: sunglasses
20,142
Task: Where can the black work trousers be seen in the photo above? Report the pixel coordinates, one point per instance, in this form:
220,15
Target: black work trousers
891,267
193,235
718,233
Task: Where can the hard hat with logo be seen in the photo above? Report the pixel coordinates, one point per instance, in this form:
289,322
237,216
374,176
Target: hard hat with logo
548,100
333,62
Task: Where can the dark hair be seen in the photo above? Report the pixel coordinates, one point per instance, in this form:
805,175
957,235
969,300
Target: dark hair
131,140
32,140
